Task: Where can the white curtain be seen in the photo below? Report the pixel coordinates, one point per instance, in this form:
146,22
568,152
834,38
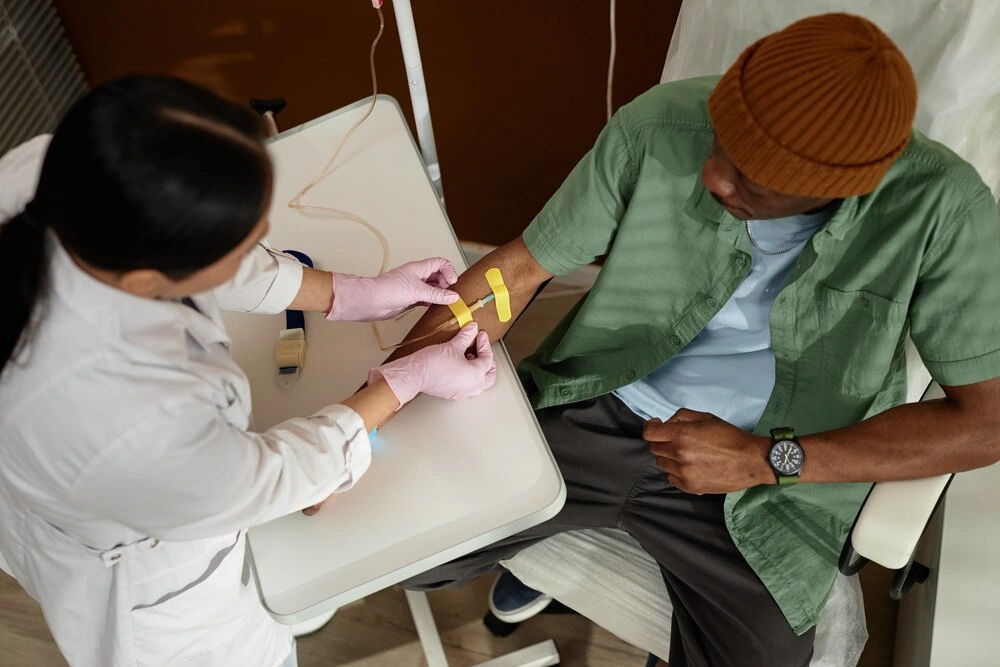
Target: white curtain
952,45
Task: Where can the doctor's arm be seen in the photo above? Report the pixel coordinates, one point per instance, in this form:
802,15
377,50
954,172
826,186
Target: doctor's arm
183,472
269,282
316,292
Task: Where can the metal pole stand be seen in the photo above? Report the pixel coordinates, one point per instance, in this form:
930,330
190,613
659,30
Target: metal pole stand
418,90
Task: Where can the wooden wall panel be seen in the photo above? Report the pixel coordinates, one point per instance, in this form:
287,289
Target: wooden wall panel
516,88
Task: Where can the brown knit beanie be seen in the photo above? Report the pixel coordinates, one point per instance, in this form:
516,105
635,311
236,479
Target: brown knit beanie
820,109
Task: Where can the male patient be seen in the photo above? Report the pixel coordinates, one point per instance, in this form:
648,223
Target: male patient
771,237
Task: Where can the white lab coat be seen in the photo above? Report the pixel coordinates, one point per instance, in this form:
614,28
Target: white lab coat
128,474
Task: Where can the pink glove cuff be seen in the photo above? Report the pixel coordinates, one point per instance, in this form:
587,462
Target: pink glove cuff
389,294
401,380
344,286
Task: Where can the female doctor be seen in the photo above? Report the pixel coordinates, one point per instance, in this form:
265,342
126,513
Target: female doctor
128,474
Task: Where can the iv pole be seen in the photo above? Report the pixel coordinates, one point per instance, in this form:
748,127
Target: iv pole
544,653
418,90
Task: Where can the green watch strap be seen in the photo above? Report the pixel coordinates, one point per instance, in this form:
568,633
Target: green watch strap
777,435
782,433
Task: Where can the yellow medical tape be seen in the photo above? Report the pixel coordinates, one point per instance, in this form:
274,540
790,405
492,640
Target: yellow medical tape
495,279
461,313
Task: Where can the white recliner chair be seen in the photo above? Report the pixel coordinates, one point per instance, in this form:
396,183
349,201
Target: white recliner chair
604,574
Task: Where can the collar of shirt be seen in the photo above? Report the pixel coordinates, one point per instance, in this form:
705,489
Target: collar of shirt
155,323
702,205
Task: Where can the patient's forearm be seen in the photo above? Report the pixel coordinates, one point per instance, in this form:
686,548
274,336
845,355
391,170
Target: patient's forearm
522,275
911,441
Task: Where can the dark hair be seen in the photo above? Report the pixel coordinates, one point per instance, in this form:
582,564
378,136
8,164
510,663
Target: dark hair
142,173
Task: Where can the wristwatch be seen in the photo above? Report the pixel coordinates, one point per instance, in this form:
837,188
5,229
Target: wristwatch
785,456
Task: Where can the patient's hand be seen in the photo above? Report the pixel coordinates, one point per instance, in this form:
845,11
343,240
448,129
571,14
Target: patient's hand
702,453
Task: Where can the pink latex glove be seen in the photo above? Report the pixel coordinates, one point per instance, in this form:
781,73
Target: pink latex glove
360,299
445,370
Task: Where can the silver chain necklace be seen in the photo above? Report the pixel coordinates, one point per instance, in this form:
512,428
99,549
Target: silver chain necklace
761,250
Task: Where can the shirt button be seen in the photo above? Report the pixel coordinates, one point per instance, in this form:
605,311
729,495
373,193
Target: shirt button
630,374
564,391
676,340
865,302
741,261
711,302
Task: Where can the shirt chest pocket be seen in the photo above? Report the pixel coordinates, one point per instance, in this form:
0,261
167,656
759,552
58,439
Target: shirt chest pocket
860,336
227,385
232,403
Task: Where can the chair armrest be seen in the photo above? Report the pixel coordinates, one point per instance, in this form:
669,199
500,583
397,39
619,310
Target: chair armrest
894,517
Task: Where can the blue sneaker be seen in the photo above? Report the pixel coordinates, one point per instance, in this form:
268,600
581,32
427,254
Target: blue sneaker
513,602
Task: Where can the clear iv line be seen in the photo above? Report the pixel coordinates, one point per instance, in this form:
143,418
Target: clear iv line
296,201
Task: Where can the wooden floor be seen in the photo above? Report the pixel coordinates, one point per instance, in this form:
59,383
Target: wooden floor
378,631
381,634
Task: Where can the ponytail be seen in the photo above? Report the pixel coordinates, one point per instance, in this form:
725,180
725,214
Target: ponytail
24,271
143,172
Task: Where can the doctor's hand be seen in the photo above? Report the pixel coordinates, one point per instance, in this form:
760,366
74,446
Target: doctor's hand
701,453
448,370
360,299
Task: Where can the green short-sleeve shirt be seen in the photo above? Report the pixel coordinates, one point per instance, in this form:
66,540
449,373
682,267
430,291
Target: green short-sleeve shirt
919,256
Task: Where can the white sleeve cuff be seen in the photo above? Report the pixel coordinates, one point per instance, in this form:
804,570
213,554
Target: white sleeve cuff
267,282
357,450
285,286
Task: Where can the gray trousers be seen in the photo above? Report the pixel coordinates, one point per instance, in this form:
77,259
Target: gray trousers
723,615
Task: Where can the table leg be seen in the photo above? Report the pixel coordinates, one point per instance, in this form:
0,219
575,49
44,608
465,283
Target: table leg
543,654
423,619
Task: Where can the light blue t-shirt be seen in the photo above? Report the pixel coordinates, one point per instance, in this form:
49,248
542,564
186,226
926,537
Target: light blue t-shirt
728,368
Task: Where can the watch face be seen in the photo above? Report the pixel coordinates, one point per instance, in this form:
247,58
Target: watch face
786,457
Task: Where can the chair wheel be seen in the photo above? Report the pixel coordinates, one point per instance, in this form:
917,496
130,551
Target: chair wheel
497,627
